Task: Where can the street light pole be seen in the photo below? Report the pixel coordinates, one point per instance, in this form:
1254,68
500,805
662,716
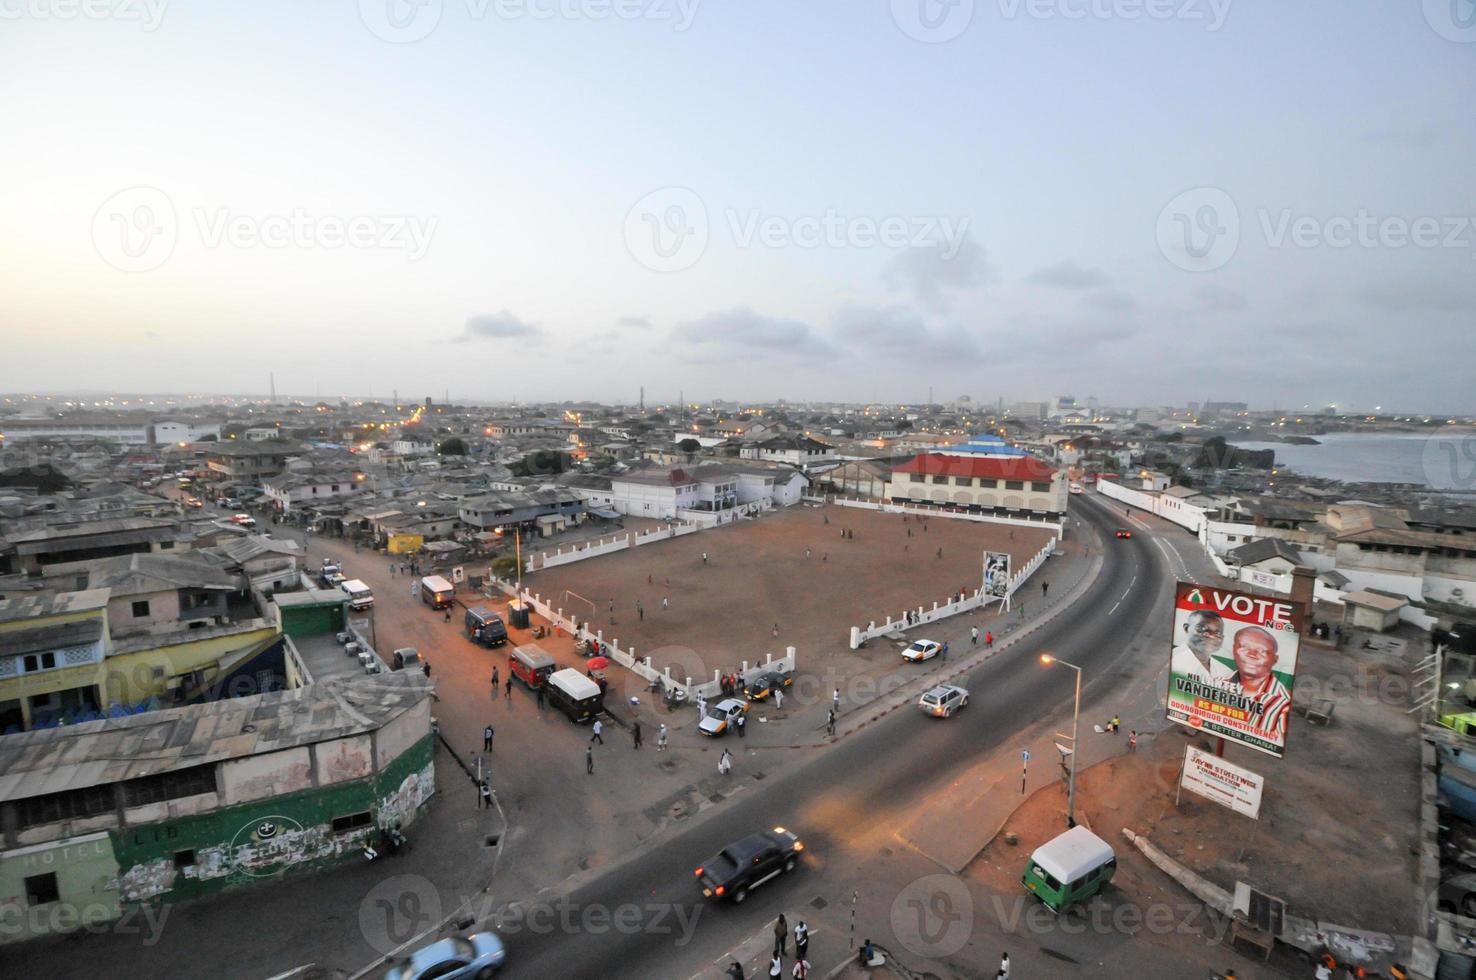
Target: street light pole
1048,659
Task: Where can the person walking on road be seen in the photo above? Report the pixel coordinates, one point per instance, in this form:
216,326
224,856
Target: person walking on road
801,969
776,966
486,795
781,936
589,760
778,699
1045,589
661,738
596,732
704,558
1113,725
507,688
835,701
664,603
426,666
1004,966
640,611
1133,741
989,641
725,763
973,636
635,734
742,723
487,739
494,676
801,940
830,724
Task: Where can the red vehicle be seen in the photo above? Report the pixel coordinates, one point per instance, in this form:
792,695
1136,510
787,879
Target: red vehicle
531,665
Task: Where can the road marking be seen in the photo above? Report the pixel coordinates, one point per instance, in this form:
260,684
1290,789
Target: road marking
1114,606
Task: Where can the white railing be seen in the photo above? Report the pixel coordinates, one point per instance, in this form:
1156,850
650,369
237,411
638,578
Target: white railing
951,606
602,546
929,510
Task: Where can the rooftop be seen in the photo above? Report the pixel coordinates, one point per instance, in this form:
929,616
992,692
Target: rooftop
52,760
984,467
52,604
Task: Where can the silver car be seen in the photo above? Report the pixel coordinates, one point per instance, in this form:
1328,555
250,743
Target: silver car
943,700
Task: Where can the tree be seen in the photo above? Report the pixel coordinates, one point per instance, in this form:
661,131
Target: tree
452,447
689,445
505,566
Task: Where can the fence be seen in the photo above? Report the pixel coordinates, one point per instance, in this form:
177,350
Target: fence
688,688
602,546
926,510
951,606
1169,508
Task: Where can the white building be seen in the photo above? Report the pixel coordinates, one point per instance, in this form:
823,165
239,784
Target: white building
297,488
799,451
654,493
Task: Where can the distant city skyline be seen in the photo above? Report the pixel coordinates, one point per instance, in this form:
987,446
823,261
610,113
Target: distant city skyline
821,201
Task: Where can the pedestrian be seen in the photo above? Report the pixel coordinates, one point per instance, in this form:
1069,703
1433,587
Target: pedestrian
781,936
742,723
487,739
486,795
801,940
1004,966
827,518
843,534
648,580
1045,588
507,688
425,665
392,569
909,531
807,553
776,630
973,636
725,762
988,641
866,954
539,695
801,969
448,615
664,603
701,706
1112,725
830,724
940,552
635,734
661,738
704,558
589,759
595,732
776,966
640,612
825,557
835,701
494,676
778,699
1133,741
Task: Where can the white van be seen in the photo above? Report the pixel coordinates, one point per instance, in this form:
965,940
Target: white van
360,595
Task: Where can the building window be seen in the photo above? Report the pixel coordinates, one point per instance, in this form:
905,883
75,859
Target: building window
333,488
963,481
166,545
41,889
169,785
1040,487
342,825
72,804
916,477
33,662
1014,484
940,479
184,859
140,608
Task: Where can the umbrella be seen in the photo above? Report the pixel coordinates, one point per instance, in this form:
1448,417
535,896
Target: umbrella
598,663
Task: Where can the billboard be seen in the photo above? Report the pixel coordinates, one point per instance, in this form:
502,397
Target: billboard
1232,665
1211,777
996,573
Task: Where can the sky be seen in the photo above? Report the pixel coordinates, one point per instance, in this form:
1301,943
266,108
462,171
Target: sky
1149,202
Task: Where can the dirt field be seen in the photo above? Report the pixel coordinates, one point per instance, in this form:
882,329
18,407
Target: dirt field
758,577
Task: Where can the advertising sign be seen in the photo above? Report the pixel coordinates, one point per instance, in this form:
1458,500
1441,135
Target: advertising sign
1232,665
996,573
1222,782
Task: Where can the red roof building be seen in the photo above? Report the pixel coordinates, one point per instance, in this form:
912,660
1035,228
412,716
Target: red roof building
1005,486
980,467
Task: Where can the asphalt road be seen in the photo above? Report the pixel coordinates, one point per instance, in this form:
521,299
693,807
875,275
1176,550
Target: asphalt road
846,796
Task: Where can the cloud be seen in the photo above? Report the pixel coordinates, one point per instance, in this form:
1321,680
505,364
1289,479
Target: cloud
497,326
1067,275
1111,301
635,322
1411,295
895,330
1220,299
743,330
930,272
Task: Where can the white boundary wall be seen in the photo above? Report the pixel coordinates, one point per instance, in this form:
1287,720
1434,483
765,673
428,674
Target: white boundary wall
1169,508
951,606
927,511
605,546
690,688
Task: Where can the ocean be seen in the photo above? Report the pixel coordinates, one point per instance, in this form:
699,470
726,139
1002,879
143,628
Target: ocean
1441,459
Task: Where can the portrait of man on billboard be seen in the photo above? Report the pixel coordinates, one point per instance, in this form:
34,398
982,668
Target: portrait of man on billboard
1255,653
1202,636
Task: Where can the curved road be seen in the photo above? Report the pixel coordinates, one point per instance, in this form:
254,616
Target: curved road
864,785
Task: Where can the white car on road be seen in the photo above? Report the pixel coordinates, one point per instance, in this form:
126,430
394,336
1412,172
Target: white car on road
922,650
943,700
722,716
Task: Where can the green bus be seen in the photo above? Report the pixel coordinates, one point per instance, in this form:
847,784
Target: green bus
1069,869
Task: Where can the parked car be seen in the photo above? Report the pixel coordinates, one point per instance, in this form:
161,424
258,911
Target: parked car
194,502
943,700
478,955
245,520
922,650
1123,532
767,683
748,863
721,716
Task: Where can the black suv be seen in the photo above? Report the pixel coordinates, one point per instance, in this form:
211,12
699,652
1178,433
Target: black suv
749,863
